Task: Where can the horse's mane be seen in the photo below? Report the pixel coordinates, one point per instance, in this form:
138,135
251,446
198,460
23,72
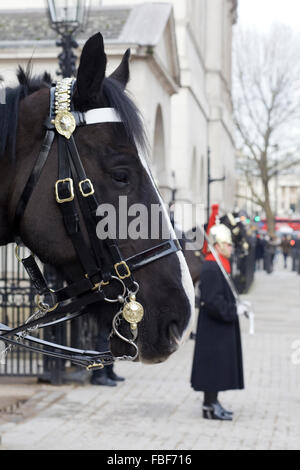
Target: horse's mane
130,115
28,84
9,110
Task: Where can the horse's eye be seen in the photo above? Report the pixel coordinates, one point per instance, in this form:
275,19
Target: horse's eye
120,176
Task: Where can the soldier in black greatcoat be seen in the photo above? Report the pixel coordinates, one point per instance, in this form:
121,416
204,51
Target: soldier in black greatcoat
218,363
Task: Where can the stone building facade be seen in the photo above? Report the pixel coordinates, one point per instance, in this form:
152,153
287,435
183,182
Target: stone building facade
284,195
180,79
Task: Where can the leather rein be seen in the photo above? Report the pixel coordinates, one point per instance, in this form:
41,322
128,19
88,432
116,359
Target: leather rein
100,272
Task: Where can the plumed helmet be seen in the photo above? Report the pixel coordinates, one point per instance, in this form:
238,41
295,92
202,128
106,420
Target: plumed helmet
220,234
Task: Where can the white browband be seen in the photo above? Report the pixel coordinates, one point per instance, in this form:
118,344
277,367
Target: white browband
96,116
65,121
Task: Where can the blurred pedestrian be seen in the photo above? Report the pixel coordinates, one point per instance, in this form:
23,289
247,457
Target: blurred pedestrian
259,252
218,362
274,248
286,249
269,254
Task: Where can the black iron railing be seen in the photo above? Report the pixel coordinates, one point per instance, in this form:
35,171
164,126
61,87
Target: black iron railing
17,303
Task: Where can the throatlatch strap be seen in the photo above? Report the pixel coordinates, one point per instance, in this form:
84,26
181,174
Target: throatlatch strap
37,170
33,179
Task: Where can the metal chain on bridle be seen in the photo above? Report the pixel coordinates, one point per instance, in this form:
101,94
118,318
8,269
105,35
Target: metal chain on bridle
102,262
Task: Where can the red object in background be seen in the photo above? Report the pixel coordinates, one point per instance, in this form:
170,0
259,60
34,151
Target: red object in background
292,243
280,222
211,223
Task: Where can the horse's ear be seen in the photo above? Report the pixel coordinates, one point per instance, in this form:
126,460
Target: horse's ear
121,74
91,72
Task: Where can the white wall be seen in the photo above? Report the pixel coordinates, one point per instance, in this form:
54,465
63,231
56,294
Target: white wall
189,133
43,60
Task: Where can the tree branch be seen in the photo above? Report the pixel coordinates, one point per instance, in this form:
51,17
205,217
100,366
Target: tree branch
282,168
251,199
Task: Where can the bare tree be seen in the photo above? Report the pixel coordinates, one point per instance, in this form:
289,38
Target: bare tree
266,103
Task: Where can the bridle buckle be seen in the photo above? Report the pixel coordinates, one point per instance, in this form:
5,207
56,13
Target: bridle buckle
95,366
90,192
122,275
71,189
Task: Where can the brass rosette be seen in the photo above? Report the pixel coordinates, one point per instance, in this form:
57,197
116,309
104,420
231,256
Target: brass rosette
65,123
133,312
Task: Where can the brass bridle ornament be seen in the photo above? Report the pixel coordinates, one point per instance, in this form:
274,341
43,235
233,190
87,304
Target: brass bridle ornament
68,302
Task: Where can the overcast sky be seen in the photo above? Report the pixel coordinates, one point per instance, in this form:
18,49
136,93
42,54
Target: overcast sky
260,14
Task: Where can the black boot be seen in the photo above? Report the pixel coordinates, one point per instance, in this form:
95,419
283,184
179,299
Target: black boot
112,375
225,411
212,409
216,412
100,377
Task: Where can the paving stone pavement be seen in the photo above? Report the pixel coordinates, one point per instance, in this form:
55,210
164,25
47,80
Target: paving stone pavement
155,408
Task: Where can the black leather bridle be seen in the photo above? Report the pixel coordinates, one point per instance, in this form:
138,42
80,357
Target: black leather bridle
102,261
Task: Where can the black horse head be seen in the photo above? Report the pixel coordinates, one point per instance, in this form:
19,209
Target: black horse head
109,153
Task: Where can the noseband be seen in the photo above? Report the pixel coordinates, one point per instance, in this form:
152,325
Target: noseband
102,262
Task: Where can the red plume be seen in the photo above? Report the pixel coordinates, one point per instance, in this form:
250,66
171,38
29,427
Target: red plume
211,223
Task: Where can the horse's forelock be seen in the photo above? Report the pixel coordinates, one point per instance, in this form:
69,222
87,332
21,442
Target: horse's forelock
117,98
30,83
